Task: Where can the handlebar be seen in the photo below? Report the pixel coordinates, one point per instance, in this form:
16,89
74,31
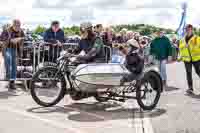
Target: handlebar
66,55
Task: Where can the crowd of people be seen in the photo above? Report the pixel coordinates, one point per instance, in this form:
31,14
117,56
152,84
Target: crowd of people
92,42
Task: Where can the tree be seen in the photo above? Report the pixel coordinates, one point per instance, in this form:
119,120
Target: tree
146,31
142,28
39,30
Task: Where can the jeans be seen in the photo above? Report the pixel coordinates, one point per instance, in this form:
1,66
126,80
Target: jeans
10,63
163,70
188,67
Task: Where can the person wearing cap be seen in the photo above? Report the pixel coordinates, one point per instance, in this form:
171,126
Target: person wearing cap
189,50
13,41
55,36
161,49
94,50
134,61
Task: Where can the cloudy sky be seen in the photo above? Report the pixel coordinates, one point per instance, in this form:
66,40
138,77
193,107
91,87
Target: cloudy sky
158,12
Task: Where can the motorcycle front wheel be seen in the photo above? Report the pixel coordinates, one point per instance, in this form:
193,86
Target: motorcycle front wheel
48,86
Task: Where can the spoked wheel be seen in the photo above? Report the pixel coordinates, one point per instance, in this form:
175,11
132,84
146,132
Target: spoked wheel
48,86
148,91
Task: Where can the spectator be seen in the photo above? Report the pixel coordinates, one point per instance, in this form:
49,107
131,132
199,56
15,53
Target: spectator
161,49
130,35
13,40
119,38
137,36
189,48
5,29
55,36
113,35
99,29
123,33
143,42
175,43
108,39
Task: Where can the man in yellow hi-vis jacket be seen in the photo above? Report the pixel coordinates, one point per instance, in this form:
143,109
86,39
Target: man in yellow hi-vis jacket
189,48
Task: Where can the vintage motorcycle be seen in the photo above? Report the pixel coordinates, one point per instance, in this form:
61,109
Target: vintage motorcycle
101,80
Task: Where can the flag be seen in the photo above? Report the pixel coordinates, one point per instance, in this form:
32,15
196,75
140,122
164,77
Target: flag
181,29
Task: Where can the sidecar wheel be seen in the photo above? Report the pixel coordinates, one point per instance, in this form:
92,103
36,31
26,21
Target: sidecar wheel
148,91
46,88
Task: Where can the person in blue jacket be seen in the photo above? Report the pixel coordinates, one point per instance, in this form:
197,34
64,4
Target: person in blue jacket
55,36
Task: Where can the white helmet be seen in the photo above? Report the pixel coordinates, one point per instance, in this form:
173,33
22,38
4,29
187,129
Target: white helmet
133,43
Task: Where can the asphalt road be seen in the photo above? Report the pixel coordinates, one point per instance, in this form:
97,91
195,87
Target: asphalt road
175,113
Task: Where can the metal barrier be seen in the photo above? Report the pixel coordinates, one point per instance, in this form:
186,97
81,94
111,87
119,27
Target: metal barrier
47,52
22,62
108,53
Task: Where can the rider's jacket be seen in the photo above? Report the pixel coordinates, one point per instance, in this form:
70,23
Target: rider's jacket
94,51
190,51
83,45
134,61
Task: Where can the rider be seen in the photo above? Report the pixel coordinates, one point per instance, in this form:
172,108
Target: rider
91,44
134,61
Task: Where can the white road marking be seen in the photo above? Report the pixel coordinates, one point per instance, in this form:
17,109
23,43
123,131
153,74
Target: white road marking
50,122
145,125
137,124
